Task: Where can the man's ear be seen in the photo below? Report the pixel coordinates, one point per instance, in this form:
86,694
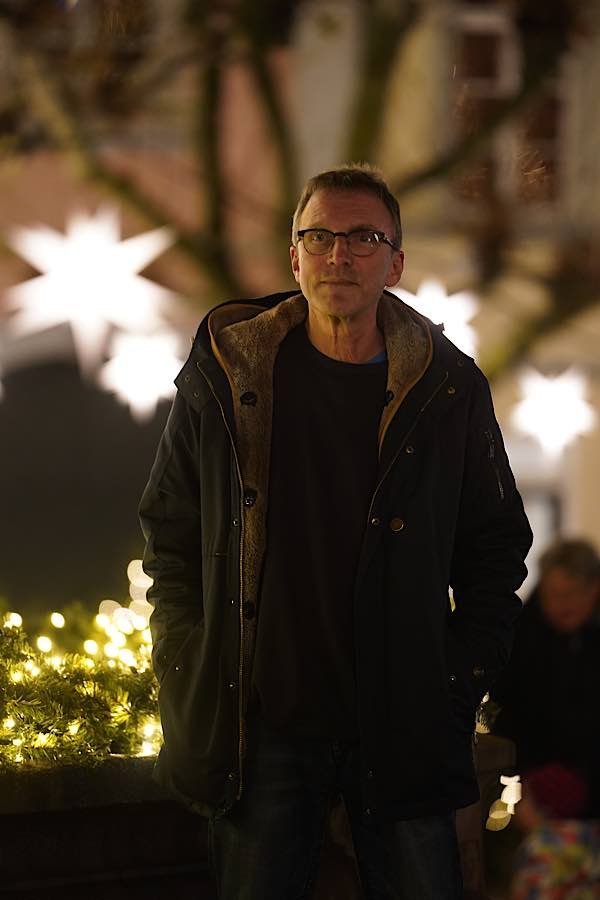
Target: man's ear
295,260
396,268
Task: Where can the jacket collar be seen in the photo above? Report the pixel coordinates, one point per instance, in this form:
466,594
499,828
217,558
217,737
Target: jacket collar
245,338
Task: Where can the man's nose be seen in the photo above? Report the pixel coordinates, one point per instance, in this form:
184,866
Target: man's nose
340,250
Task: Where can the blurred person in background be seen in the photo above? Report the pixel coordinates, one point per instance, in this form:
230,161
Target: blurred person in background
331,464
559,857
550,691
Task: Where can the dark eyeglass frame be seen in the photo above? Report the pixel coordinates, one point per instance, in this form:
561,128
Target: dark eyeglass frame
380,238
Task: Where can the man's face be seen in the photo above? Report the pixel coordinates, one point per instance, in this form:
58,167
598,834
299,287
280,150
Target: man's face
567,602
337,283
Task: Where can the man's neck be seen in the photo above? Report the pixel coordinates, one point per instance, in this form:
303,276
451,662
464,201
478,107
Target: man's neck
343,340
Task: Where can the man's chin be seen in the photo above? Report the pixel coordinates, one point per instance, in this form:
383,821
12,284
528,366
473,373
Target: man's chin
338,294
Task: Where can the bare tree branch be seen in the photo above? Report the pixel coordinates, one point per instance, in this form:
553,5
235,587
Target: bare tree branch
572,288
384,30
68,131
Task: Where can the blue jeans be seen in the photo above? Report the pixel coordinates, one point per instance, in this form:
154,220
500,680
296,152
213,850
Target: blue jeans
268,846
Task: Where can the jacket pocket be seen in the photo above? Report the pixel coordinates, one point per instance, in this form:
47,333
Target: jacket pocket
466,685
494,463
179,694
171,651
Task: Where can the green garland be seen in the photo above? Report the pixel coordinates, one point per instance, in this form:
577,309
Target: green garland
72,709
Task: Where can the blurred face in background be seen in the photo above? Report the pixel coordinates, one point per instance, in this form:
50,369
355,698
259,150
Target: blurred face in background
567,601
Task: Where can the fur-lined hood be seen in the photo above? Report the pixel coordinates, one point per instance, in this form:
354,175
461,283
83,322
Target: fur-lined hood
245,339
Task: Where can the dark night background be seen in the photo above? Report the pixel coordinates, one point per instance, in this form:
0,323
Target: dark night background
73,464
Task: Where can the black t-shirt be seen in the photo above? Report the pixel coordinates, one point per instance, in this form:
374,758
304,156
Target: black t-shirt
323,469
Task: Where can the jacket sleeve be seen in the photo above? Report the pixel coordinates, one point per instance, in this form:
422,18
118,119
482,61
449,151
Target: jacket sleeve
492,540
171,522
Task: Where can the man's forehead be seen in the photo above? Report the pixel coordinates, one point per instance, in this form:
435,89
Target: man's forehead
359,206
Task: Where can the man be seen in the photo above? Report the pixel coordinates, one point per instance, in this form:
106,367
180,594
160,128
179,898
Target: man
549,691
330,466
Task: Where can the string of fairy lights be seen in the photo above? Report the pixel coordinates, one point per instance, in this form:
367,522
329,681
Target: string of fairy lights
83,705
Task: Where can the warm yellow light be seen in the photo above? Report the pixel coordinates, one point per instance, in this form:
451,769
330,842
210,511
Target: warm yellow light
9,723
136,574
89,663
111,650
107,607
44,644
102,620
57,619
456,311
147,749
126,656
147,636
111,664
13,620
41,739
149,729
139,622
90,647
18,742
554,410
138,594
31,667
88,260
16,675
56,661
141,608
141,370
119,639
19,758
123,620
73,728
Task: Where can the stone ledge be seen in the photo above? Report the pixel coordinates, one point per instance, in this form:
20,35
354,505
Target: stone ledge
116,780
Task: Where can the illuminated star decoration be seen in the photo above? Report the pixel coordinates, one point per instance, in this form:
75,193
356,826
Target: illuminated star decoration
553,410
141,371
89,280
454,310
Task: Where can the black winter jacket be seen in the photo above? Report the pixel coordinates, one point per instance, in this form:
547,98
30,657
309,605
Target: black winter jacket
445,513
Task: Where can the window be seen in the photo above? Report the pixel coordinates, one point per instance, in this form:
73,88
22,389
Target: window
522,161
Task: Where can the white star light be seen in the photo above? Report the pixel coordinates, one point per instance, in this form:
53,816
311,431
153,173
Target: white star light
454,310
554,410
142,371
89,280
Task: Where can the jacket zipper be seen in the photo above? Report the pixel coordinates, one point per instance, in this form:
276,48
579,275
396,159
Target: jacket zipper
403,442
494,464
242,658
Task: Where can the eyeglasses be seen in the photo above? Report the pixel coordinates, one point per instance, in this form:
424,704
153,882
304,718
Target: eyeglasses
362,241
